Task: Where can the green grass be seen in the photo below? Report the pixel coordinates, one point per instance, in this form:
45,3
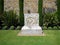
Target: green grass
9,37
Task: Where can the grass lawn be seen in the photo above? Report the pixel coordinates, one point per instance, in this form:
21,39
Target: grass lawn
9,37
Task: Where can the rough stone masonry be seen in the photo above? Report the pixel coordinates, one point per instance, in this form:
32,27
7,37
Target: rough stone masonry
11,5
31,5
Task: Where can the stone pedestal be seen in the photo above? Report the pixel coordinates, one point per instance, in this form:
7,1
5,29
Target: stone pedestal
31,26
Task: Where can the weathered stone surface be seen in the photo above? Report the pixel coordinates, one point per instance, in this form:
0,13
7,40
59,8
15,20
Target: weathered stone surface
31,26
49,4
31,19
11,5
31,5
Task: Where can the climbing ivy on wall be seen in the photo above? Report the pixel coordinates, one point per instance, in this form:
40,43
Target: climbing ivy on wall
21,3
1,6
40,12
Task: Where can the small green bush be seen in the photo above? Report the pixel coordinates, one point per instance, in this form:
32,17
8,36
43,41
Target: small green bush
50,19
10,18
5,28
55,28
49,28
11,28
59,27
18,28
44,28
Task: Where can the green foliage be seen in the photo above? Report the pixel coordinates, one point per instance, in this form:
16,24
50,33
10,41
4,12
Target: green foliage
11,28
44,28
40,12
18,28
21,16
55,28
50,19
0,27
58,8
10,18
59,27
5,27
49,28
1,10
1,6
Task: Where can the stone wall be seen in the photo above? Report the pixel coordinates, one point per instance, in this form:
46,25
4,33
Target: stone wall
11,5
31,5
49,6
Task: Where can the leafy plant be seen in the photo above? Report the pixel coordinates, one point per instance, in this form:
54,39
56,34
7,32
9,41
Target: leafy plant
10,18
58,8
5,28
18,28
1,11
11,28
44,28
50,19
49,28
21,16
59,27
1,6
55,28
40,12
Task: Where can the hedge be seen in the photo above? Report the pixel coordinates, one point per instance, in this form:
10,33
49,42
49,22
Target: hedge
1,6
1,11
21,12
40,12
58,8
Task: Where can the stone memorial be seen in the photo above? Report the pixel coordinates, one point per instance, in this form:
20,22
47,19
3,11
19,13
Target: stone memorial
31,19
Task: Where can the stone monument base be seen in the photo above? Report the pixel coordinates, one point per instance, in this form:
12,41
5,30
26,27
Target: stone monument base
31,26
31,31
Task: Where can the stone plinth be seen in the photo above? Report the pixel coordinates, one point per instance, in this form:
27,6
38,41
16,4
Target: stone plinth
31,26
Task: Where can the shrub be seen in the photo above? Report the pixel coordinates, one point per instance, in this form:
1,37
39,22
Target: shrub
0,24
50,19
10,18
21,16
49,28
44,28
59,27
1,6
5,28
58,8
40,12
1,11
55,28
0,27
18,28
11,28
